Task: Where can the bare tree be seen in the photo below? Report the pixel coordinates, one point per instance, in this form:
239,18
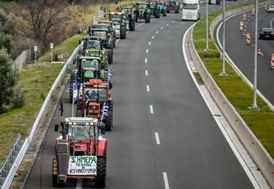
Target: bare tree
38,19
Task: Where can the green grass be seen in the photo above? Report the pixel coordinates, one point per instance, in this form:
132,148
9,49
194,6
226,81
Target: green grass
235,89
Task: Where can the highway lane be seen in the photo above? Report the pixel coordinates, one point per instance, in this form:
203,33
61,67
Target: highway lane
163,133
243,55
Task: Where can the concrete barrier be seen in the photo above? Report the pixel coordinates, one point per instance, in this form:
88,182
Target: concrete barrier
253,146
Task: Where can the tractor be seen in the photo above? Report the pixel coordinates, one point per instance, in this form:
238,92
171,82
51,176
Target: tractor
95,101
87,68
119,24
96,43
129,16
105,35
108,25
80,151
173,5
154,8
162,6
142,11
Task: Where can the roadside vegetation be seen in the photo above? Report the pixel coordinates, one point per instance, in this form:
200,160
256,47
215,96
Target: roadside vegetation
235,89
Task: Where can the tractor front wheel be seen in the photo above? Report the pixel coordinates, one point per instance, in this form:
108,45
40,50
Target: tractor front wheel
123,32
100,179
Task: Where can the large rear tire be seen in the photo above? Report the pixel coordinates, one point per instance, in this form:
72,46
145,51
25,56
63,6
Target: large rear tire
123,32
70,92
109,121
114,42
147,18
131,25
100,179
54,175
110,56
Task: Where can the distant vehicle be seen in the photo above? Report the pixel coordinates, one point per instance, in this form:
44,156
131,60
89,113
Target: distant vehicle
266,33
270,8
191,10
214,2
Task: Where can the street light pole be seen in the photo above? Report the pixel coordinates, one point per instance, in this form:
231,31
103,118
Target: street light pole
51,47
206,26
35,50
254,105
223,73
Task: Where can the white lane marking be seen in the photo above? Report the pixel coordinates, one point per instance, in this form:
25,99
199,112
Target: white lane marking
149,43
157,31
139,25
162,28
117,40
167,24
148,88
146,72
151,109
147,51
153,37
79,184
145,60
172,21
157,138
165,180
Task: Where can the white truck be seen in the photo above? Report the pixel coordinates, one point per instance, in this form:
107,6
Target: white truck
191,10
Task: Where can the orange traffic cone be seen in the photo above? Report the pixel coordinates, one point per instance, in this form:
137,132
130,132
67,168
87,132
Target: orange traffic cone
241,26
247,38
272,62
260,52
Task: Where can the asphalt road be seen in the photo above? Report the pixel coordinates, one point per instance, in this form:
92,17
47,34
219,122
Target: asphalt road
164,135
243,55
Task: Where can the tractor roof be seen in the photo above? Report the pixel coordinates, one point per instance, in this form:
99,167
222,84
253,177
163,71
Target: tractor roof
89,58
81,121
100,29
105,21
91,37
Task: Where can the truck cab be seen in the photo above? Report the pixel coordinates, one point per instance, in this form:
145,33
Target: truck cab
191,10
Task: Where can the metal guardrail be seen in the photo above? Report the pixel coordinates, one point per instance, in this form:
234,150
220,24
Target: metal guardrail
10,167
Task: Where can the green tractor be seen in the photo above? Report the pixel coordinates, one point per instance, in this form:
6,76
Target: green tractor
119,24
129,16
173,5
154,8
142,11
86,68
107,40
96,43
108,25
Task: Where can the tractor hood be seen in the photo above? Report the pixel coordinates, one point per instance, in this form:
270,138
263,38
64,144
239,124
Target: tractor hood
89,73
94,53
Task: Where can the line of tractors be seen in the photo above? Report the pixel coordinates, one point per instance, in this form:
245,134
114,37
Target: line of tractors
81,151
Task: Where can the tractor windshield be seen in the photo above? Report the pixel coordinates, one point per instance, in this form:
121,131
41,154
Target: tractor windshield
92,44
190,6
90,65
80,132
93,94
142,6
102,34
115,17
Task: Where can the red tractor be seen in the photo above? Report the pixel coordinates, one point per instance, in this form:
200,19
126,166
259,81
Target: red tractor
95,101
80,153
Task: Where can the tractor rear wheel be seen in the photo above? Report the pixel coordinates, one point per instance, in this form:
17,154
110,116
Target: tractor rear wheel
123,32
131,25
110,56
109,121
147,18
100,179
